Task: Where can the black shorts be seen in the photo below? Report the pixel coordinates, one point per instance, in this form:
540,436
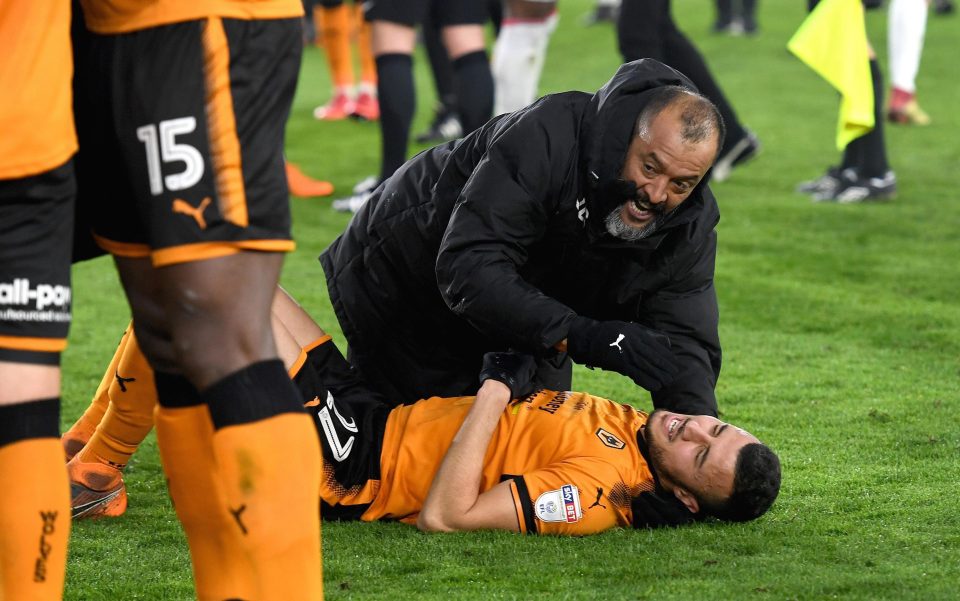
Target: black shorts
181,133
442,12
350,419
36,232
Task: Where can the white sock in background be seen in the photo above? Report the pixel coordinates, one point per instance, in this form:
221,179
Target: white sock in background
518,59
906,27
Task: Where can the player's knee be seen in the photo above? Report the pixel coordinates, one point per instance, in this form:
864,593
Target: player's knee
156,344
217,345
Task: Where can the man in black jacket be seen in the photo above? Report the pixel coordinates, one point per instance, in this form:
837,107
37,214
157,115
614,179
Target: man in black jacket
522,235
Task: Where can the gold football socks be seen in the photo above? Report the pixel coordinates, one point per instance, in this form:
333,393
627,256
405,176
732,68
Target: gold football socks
35,517
268,460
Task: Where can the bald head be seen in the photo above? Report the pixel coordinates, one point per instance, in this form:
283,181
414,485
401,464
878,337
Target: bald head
698,118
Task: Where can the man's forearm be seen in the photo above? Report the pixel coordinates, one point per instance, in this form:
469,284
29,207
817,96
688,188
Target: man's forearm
456,487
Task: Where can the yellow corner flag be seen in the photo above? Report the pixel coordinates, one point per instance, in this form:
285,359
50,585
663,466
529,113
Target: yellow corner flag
833,42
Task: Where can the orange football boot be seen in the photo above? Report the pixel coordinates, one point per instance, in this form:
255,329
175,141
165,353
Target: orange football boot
96,490
303,185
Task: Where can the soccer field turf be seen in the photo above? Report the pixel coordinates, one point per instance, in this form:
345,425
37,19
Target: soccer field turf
840,335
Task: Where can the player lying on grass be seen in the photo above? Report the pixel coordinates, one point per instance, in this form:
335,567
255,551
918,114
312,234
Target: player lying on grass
511,458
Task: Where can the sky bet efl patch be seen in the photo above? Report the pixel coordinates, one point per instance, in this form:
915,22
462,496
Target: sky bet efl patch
560,505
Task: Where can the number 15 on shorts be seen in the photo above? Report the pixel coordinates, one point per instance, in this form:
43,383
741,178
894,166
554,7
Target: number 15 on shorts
162,147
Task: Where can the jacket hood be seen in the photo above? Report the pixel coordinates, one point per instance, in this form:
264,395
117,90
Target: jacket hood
606,131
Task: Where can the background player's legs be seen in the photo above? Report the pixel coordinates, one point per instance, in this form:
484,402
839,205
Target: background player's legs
472,78
749,15
128,390
194,331
520,52
906,28
724,18
865,173
393,46
82,429
446,124
298,328
335,25
367,105
96,482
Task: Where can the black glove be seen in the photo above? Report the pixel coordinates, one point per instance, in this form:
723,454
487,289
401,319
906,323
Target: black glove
624,347
516,370
655,510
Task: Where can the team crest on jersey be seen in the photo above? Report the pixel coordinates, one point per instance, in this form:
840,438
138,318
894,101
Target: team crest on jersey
609,439
561,505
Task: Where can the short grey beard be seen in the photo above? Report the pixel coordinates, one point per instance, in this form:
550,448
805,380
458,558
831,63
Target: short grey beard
620,230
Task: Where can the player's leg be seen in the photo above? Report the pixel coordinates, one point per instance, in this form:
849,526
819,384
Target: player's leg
724,18
463,35
81,430
294,321
865,172
37,195
335,18
367,106
235,440
393,44
445,124
201,301
907,26
520,51
257,413
35,302
97,488
350,421
749,15
96,483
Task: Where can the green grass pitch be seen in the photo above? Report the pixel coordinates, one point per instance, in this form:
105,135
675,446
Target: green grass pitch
840,330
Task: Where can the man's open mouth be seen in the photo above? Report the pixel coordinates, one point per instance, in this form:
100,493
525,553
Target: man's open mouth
674,427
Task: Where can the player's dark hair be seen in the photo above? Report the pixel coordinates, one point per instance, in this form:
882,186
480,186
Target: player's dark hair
699,117
756,483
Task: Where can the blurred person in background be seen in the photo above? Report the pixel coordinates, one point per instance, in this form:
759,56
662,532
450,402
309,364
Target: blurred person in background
394,38
736,17
646,30
907,24
864,173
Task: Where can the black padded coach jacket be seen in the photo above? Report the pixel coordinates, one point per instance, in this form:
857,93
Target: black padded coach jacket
496,241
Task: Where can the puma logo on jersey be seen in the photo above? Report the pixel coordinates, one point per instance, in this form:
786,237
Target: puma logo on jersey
616,342
184,208
313,403
597,503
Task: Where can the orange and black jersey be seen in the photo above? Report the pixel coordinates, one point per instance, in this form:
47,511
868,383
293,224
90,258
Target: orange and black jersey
572,459
122,16
36,115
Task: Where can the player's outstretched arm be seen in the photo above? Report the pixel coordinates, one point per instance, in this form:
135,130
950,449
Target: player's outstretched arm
455,502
